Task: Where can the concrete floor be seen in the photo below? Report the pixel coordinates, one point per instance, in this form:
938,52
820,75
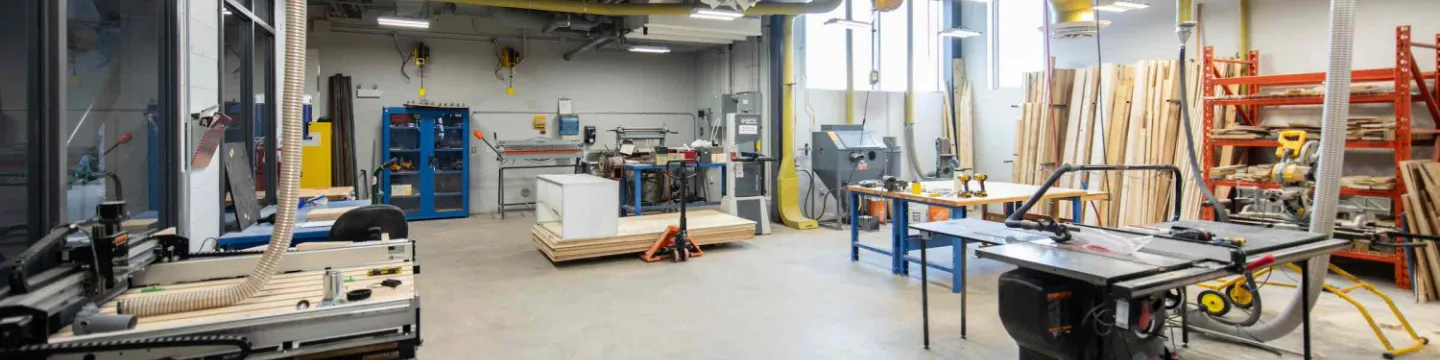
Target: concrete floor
488,294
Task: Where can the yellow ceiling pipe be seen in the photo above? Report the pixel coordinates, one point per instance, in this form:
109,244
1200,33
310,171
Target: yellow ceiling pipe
580,7
1072,10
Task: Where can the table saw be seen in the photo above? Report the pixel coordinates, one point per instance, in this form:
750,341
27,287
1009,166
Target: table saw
1077,297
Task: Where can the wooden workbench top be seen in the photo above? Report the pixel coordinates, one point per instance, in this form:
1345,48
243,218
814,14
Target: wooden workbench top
999,193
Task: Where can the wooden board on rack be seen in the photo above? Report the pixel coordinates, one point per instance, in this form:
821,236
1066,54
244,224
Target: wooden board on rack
328,213
637,233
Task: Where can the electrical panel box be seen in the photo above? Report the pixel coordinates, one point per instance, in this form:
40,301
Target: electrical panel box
569,126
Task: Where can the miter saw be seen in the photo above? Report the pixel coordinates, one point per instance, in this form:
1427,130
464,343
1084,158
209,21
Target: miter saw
1295,173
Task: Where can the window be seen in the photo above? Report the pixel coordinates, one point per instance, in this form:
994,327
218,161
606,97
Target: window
247,88
825,48
1017,43
118,116
103,129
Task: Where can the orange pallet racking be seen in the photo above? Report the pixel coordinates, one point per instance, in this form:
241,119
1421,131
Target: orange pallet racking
1405,75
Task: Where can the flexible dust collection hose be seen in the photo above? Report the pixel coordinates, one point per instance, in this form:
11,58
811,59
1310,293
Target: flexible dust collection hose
1327,191
289,180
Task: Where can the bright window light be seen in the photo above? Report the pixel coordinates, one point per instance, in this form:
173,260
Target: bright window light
649,49
403,22
1130,4
959,33
850,24
1112,8
715,14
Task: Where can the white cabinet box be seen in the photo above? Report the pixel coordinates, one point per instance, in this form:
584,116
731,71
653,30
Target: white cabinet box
586,206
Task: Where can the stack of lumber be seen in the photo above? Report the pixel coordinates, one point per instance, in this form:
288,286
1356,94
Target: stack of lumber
1238,132
1153,134
1040,135
1253,173
637,233
1227,116
1422,216
1355,89
961,132
1224,172
1369,128
1362,182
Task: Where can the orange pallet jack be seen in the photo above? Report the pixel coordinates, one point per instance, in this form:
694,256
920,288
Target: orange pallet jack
675,241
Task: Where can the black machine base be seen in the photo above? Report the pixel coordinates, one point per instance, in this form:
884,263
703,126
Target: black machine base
1054,318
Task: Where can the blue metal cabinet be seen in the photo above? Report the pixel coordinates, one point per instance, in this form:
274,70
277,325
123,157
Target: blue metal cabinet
429,177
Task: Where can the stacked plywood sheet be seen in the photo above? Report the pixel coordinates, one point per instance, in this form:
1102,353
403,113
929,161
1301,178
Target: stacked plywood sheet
1362,182
1422,216
637,233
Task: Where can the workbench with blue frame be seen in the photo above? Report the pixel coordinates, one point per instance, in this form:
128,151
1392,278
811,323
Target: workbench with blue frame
901,242
259,234
634,192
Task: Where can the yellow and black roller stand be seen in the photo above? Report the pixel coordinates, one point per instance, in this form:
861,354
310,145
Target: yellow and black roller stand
788,195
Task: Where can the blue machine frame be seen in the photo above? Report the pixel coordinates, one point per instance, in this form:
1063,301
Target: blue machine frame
903,242
422,203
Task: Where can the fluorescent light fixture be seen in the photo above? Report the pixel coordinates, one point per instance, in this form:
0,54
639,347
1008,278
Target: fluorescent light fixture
959,33
715,14
1130,4
849,24
403,22
1111,8
649,49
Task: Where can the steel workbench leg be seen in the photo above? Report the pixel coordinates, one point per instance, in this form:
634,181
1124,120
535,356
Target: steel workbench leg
854,226
1009,209
635,179
924,293
959,287
902,233
723,175
894,234
1305,304
500,194
1077,210
1184,320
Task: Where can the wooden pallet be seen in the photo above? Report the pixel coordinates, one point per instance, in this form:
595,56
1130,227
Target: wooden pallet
278,296
637,233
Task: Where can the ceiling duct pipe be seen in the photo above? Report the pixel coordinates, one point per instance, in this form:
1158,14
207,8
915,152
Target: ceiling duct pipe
1074,19
597,42
580,7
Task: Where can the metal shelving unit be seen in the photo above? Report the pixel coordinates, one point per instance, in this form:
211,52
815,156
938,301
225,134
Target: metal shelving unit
1406,75
434,183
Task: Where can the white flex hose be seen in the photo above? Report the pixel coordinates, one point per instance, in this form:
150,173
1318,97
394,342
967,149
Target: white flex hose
1327,188
289,180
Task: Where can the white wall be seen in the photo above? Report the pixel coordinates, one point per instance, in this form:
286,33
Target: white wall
200,84
1291,35
462,71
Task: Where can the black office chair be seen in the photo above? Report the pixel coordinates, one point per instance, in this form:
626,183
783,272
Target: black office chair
367,222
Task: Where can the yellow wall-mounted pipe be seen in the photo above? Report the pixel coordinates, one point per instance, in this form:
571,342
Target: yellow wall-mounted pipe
849,68
788,195
579,7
